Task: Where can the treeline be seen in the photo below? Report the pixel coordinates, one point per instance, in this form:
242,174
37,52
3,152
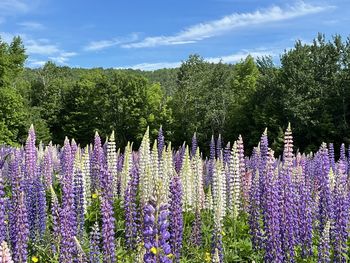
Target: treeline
309,87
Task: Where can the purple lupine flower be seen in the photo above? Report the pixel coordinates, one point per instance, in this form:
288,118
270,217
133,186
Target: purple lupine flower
325,202
107,216
163,234
331,156
227,153
2,210
246,179
194,145
339,224
97,164
305,211
160,142
209,177
79,202
149,232
95,252
41,207
216,246
19,216
273,245
254,205
289,218
219,147
67,212
176,218
55,217
196,233
131,213
47,169
324,246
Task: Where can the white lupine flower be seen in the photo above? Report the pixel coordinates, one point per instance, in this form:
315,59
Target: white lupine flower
197,166
145,173
236,181
187,179
154,163
209,200
127,167
112,161
86,174
219,192
5,254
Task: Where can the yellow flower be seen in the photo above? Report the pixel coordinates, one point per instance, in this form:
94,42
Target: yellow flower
170,255
154,250
35,259
94,195
207,257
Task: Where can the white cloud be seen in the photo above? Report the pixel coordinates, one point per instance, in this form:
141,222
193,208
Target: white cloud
102,44
29,25
63,57
227,23
233,58
33,63
153,66
14,6
37,47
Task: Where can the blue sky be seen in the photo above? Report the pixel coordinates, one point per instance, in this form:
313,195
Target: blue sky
161,33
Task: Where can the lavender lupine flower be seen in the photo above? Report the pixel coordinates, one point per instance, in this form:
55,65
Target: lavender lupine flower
331,156
160,142
163,234
194,145
95,252
324,246
79,202
196,233
254,206
149,232
107,216
227,153
18,216
176,218
219,153
273,215
289,208
131,213
2,210
5,255
55,217
47,168
326,184
305,211
67,212
339,225
216,246
97,164
209,178
41,206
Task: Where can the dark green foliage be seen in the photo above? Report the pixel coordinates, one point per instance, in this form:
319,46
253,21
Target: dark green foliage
309,88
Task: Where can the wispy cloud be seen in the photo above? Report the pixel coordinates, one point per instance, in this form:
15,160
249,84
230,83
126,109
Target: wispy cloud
14,6
233,58
227,23
34,63
40,48
30,25
102,44
63,57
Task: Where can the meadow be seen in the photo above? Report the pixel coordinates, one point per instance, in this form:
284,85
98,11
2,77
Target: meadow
159,204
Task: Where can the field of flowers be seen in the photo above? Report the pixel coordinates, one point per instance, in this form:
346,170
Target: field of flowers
156,204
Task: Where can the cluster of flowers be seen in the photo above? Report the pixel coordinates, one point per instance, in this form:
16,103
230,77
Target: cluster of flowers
293,203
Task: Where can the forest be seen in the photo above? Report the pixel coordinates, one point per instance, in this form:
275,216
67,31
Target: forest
309,86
